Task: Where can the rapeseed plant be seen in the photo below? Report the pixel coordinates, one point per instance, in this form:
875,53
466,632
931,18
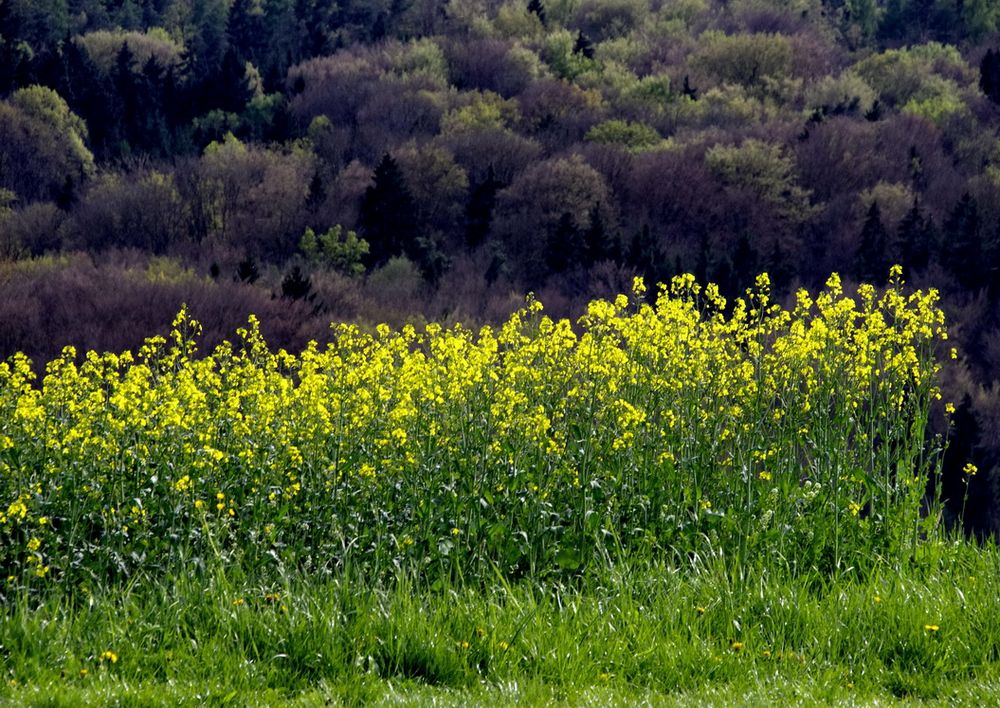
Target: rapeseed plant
680,425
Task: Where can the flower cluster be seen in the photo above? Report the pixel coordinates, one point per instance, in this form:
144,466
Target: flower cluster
540,445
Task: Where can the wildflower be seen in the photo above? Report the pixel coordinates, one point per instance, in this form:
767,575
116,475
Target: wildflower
877,599
463,645
700,610
765,475
456,532
949,408
34,544
854,508
83,673
199,504
109,656
736,646
503,646
931,628
970,469
705,504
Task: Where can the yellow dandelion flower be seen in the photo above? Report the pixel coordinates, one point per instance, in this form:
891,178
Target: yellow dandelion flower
931,628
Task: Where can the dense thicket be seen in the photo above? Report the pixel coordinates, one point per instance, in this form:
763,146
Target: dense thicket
379,158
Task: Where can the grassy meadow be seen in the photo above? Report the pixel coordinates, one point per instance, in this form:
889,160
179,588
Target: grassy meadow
674,499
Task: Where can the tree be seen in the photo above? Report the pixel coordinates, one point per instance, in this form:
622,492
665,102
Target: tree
564,245
583,46
916,238
42,143
335,249
479,209
688,90
989,75
387,213
962,244
872,263
538,9
296,285
600,243
246,272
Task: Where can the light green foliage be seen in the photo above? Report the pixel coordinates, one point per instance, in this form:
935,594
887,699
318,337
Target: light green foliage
634,136
436,182
526,62
922,72
103,47
558,54
841,91
420,58
7,201
606,19
513,21
937,100
481,109
652,90
42,145
767,170
336,249
544,192
48,109
250,193
684,12
894,201
469,15
743,59
980,17
861,20
729,105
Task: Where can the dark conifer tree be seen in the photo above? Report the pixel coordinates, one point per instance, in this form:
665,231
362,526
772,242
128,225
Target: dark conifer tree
536,7
228,88
989,75
155,135
646,257
428,255
872,262
317,191
583,46
296,285
247,272
689,90
479,210
564,245
497,266
387,214
600,243
247,31
916,238
744,265
962,246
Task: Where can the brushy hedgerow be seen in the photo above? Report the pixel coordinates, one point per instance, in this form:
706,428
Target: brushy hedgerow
671,430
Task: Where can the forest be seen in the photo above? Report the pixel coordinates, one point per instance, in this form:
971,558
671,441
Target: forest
411,160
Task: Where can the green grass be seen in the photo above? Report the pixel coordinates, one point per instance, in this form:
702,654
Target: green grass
620,636
672,506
